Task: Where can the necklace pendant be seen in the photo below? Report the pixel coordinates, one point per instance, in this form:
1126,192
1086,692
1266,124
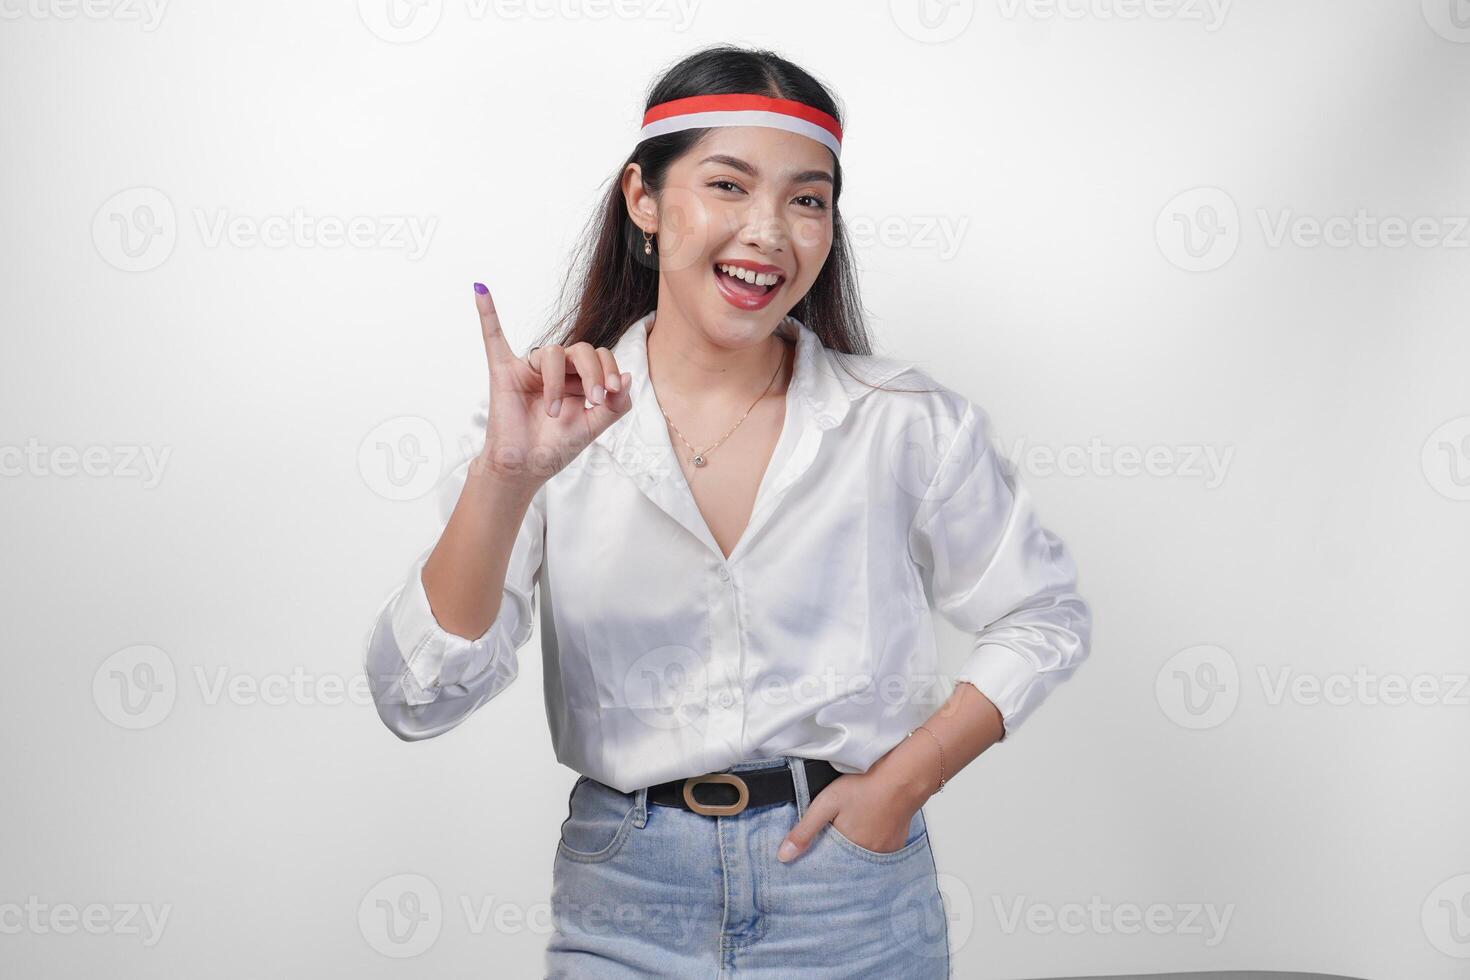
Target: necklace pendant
698,461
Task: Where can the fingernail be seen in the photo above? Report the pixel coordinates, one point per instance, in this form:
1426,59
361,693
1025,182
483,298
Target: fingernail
556,408
627,378
614,383
787,852
480,288
598,394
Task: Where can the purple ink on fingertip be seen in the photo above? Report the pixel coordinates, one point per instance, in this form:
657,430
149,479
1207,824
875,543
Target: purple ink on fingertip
480,288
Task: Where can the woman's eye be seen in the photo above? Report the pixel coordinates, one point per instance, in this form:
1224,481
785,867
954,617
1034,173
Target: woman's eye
812,200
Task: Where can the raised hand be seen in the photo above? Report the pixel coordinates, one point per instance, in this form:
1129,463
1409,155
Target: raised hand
537,423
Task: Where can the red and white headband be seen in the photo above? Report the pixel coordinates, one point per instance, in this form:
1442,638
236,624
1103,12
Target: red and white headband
704,111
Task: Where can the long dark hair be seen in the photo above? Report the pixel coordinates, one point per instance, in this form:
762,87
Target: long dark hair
611,283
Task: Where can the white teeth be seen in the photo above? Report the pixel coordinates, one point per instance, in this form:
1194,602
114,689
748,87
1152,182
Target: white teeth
757,278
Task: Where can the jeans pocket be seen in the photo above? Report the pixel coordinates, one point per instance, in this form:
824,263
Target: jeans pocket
918,837
598,821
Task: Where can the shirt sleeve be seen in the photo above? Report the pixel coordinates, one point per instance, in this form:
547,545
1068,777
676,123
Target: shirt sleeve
992,569
426,680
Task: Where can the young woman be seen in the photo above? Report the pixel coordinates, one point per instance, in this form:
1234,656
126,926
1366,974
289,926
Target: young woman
737,530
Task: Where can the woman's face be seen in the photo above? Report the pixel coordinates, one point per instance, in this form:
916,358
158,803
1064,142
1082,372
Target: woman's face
754,198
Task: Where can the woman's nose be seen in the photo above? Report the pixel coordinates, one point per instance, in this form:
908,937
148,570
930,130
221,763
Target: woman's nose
764,230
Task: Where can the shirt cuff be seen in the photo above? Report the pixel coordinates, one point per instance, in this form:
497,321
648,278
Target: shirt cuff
433,657
1008,679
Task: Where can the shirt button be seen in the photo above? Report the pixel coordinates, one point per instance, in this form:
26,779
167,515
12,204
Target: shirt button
724,574
726,699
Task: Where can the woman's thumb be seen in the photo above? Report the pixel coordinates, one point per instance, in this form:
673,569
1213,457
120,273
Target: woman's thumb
614,405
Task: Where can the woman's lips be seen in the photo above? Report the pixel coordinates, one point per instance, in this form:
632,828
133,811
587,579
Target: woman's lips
743,295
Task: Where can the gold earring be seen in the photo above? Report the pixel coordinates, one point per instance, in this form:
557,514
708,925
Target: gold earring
647,246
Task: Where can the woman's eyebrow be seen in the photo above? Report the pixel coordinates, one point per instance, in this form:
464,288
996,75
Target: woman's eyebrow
800,178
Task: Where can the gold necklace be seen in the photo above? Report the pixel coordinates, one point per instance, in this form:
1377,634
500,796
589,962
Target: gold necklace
698,459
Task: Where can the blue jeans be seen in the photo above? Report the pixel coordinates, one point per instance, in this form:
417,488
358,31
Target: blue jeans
643,890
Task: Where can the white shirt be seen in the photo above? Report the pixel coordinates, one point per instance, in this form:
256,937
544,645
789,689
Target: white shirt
663,659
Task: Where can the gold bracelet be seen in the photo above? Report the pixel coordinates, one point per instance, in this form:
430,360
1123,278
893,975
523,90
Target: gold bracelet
941,755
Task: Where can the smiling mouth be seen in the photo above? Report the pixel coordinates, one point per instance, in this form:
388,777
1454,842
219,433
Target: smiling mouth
754,285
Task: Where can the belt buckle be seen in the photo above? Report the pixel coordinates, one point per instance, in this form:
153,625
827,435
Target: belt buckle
716,809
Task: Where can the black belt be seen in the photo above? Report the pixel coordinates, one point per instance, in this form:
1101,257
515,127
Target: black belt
722,794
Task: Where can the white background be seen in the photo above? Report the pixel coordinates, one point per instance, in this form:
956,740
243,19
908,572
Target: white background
1025,165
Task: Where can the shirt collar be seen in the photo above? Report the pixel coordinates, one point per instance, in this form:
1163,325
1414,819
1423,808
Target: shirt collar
818,399
816,379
